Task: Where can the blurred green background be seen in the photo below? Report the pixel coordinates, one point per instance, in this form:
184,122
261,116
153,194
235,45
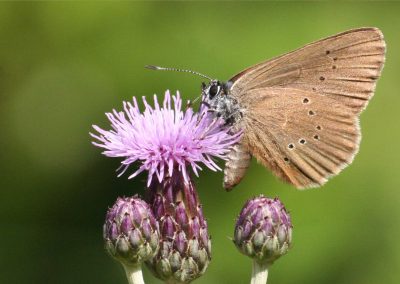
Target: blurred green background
62,65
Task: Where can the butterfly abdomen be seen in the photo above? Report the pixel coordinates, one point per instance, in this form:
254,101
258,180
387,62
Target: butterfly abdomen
236,165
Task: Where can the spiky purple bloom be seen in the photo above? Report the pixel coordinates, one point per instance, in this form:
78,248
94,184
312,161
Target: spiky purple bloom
263,229
164,139
130,232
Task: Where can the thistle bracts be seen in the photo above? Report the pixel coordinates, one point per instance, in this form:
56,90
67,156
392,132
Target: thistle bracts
263,230
185,247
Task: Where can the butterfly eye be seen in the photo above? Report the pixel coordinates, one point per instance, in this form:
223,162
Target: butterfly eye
214,90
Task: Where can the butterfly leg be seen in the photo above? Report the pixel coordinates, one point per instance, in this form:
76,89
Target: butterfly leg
205,103
189,104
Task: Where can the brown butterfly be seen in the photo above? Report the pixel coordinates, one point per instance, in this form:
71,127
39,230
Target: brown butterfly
299,112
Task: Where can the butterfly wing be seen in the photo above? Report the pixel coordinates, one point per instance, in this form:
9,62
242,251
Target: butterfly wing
344,66
304,137
314,93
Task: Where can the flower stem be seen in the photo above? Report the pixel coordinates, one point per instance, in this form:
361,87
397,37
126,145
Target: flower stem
134,274
259,273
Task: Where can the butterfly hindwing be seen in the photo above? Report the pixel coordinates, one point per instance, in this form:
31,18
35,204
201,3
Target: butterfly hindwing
303,138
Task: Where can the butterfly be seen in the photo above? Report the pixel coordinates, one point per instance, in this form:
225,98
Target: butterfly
299,112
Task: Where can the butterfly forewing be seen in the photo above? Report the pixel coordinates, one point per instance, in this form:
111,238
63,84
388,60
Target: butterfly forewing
300,110
344,66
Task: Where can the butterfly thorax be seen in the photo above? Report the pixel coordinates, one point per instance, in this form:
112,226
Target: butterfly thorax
216,96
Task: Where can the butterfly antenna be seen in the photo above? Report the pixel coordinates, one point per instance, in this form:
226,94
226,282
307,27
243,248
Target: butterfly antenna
152,67
196,99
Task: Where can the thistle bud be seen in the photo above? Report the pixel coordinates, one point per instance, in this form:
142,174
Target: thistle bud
185,246
130,231
263,230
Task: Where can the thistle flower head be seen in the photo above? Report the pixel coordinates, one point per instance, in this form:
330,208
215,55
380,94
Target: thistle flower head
263,229
165,138
130,231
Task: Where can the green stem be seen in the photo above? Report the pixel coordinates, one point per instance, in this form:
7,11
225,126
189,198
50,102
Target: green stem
134,274
260,273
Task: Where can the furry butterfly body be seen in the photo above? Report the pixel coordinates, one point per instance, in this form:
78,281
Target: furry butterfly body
299,112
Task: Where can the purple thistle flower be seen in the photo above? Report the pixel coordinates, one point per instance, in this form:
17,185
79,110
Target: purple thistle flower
168,143
165,139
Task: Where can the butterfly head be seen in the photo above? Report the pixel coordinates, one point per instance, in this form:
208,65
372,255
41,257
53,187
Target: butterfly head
215,89
216,97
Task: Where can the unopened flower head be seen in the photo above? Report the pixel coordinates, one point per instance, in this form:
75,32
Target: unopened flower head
165,138
131,233
263,230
